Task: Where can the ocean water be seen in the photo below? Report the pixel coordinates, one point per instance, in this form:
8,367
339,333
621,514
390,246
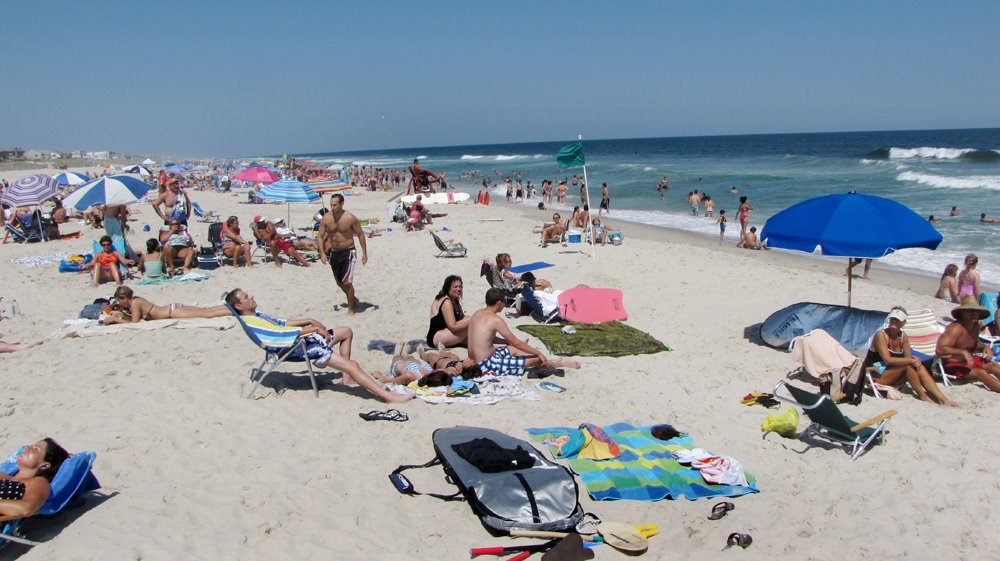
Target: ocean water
929,171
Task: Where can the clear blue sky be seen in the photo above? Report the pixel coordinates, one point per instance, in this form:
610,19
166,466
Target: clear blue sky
255,77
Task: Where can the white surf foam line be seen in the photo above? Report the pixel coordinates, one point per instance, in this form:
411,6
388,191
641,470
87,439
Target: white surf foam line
991,182
928,152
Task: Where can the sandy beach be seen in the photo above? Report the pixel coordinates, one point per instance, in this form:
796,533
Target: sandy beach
192,470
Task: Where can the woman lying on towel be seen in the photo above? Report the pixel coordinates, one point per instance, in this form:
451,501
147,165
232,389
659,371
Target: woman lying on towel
891,348
23,493
133,309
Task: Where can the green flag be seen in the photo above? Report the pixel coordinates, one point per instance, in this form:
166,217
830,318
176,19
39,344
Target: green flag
571,155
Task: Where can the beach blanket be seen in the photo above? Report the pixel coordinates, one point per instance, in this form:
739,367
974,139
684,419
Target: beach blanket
39,260
529,267
186,277
645,470
92,328
603,339
494,390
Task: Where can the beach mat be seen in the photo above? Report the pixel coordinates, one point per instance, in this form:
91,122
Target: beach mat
592,305
645,470
603,339
529,267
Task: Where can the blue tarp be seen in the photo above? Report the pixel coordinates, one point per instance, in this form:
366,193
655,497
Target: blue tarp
852,327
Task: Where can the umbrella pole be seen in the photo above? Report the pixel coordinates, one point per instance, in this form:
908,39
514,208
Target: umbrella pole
850,277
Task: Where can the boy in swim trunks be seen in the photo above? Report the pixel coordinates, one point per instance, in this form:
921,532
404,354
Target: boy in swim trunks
337,229
510,359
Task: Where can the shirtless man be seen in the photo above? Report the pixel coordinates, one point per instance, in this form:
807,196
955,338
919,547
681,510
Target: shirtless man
320,343
267,232
169,198
984,220
340,228
485,325
420,178
550,231
962,352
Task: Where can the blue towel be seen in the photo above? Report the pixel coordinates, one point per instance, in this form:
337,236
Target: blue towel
529,267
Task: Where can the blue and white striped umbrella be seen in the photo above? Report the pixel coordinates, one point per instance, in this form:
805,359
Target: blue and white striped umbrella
71,178
109,190
30,191
136,168
289,191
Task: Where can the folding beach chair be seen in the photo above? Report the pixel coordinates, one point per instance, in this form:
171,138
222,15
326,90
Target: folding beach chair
449,250
528,297
828,422
22,236
923,331
488,270
203,215
296,352
73,480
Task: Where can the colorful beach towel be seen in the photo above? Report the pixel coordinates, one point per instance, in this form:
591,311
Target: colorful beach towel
603,339
644,471
529,267
499,388
186,277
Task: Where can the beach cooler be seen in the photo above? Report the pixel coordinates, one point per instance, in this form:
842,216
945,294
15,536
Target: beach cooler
575,236
207,259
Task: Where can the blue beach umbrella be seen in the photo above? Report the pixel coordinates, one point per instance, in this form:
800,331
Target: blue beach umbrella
30,191
290,192
849,225
109,190
176,168
71,178
136,168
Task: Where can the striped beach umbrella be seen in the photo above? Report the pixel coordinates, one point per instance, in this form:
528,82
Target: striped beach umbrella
30,191
71,178
136,168
289,192
109,190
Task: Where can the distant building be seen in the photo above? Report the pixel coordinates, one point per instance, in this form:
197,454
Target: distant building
11,154
98,155
76,154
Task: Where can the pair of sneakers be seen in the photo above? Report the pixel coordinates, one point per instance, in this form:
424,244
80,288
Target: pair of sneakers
322,361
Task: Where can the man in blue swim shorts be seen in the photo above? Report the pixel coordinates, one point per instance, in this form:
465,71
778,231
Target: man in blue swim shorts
508,360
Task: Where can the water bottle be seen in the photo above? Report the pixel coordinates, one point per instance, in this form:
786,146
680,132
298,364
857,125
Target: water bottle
15,310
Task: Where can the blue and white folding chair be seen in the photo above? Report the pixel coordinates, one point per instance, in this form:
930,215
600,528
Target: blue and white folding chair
73,480
296,352
528,296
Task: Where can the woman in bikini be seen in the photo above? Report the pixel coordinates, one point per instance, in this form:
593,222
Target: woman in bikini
232,244
141,309
151,262
948,288
23,493
891,348
744,214
449,362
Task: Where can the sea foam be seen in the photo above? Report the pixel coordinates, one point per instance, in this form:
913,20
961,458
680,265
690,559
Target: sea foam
991,182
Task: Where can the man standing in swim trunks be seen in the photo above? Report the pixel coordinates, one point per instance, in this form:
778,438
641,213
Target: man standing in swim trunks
485,325
338,228
963,354
605,200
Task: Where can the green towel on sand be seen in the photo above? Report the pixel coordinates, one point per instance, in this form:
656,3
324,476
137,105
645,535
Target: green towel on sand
603,339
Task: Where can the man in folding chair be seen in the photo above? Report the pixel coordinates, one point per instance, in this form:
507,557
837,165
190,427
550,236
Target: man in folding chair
319,342
964,355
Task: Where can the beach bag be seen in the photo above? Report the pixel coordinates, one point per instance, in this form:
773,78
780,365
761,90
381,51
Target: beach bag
509,484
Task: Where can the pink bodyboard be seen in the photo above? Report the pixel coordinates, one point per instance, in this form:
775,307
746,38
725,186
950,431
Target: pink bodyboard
592,305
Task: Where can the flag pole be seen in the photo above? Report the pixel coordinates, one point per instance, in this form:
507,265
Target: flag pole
589,227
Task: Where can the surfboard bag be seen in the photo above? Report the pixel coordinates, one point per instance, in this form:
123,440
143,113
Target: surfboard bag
509,484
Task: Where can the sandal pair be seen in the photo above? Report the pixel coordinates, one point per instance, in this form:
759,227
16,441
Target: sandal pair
742,540
390,415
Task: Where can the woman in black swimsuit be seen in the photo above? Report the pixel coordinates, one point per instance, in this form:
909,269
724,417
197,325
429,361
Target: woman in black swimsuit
23,493
891,347
448,326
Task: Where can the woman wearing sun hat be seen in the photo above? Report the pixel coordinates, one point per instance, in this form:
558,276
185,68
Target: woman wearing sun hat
891,348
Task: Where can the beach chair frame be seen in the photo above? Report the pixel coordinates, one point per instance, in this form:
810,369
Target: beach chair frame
454,250
528,296
23,236
272,358
829,422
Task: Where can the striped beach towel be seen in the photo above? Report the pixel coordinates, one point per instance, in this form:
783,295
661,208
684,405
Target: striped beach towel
272,333
645,470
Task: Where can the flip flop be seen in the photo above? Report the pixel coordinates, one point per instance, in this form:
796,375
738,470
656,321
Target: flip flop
550,387
390,415
742,540
720,510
